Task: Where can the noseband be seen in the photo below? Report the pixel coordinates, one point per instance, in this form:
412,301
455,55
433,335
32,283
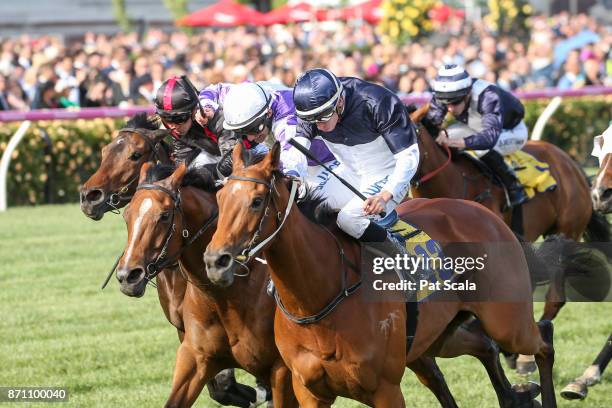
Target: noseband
162,261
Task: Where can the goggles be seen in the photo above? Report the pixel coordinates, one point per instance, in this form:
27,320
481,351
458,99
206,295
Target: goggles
253,128
320,117
176,118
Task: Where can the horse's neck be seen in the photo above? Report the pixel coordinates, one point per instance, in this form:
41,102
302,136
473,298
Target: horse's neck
196,205
305,265
448,182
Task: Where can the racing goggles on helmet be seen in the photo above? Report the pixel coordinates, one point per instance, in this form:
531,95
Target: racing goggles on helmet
253,128
320,117
176,118
452,101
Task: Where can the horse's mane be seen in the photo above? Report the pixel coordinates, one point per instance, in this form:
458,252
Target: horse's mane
141,120
201,177
314,207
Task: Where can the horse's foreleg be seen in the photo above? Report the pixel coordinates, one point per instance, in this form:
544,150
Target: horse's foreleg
429,374
545,359
282,389
388,396
192,371
306,398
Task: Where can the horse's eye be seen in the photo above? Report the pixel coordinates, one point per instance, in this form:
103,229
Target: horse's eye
256,203
165,216
135,156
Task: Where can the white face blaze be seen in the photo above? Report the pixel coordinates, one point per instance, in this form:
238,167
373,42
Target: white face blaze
146,205
602,146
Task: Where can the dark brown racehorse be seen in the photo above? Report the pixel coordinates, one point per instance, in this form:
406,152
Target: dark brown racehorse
111,187
565,210
358,350
166,226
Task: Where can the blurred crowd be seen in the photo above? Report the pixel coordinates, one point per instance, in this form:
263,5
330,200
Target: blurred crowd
126,69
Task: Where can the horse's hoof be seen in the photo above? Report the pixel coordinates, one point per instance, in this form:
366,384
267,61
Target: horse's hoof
526,392
575,390
525,367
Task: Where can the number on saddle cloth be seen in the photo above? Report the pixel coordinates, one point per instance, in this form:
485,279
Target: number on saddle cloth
419,245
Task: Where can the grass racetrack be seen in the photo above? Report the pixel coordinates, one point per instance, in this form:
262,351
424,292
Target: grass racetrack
58,329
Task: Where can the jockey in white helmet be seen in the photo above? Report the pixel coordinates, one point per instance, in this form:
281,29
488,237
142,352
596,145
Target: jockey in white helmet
489,121
255,111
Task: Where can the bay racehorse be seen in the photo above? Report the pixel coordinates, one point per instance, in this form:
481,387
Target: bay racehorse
111,188
337,344
566,210
178,223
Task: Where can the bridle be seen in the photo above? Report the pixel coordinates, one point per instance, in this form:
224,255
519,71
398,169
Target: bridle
119,196
250,251
162,260
418,181
253,246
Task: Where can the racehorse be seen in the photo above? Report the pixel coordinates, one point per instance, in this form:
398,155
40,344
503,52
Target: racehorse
347,346
246,313
158,235
566,210
601,193
111,188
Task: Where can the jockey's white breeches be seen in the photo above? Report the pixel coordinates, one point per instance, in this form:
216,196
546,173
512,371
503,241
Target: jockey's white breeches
351,218
510,140
202,159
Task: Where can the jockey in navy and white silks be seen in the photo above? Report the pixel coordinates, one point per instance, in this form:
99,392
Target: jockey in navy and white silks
254,110
489,121
368,129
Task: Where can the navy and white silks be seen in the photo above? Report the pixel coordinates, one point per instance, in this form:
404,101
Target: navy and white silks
376,148
493,120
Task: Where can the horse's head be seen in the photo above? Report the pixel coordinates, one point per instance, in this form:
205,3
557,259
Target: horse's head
155,223
113,184
601,191
247,213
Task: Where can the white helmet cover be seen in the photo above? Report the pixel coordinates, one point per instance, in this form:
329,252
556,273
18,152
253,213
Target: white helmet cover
244,103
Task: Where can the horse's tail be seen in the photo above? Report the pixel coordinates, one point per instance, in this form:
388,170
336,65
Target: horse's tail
583,266
541,269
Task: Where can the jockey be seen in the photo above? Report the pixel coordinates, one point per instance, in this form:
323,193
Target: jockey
369,131
196,126
255,110
490,121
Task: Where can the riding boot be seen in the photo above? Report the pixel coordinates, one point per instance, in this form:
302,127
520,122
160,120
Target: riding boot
516,192
380,240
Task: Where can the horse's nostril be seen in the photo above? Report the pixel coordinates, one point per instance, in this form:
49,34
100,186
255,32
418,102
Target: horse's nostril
607,194
93,196
223,261
135,275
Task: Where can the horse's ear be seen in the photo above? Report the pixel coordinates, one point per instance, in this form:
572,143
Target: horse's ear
272,160
237,161
159,135
176,178
143,172
420,113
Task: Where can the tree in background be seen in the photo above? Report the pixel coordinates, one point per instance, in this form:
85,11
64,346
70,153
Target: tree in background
178,9
121,16
405,20
509,17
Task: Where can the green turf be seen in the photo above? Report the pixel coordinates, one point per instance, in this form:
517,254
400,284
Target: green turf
58,329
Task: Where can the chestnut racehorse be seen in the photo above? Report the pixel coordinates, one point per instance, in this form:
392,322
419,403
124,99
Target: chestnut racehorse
178,223
337,344
565,210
